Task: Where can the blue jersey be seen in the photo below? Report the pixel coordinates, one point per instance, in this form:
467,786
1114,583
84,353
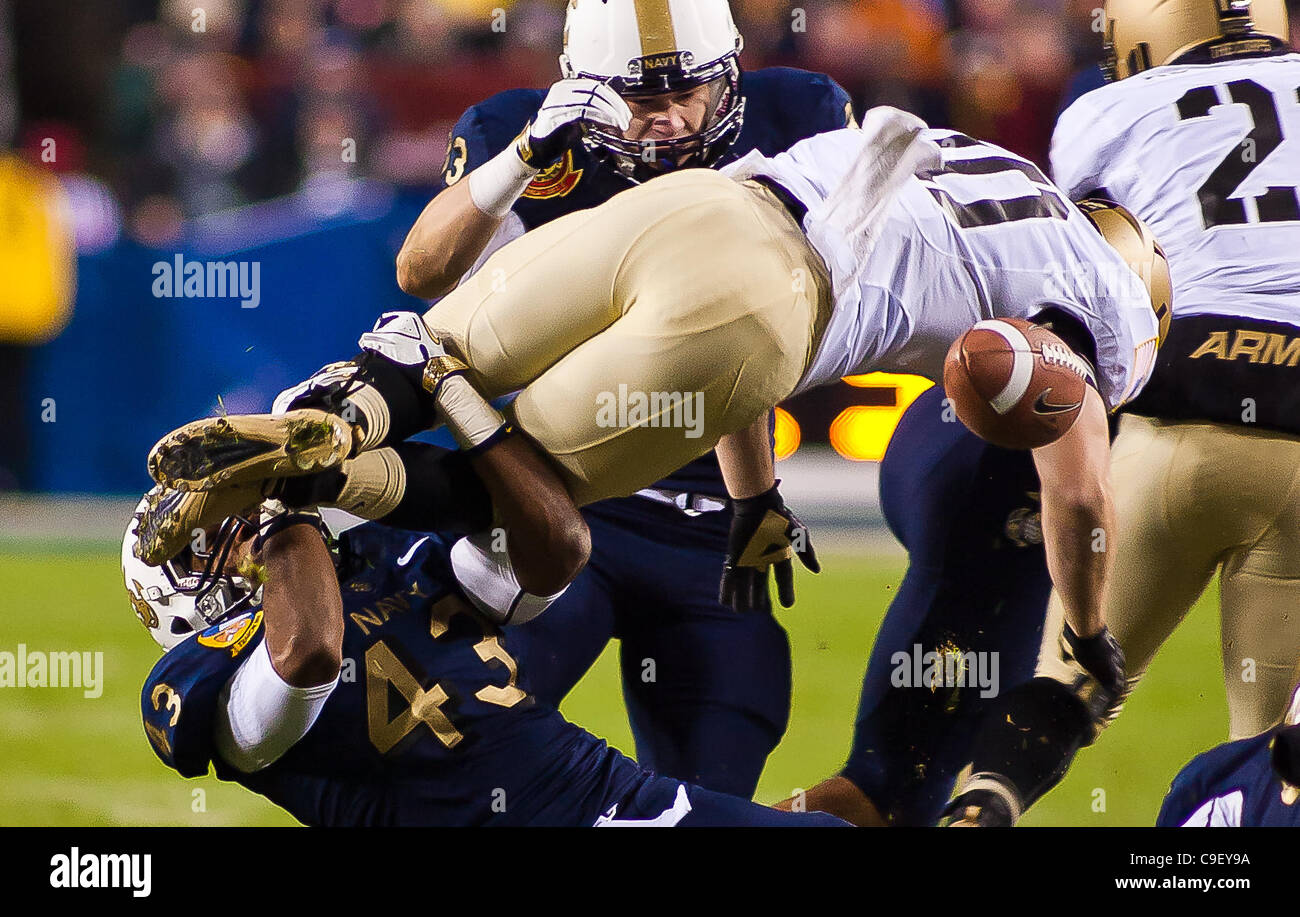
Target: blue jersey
1232,785
430,723
782,107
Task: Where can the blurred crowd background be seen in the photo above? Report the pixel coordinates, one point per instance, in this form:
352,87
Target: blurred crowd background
185,107
133,129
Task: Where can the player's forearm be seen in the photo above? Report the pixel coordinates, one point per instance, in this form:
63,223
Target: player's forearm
745,458
547,539
1078,516
302,606
444,243
1074,531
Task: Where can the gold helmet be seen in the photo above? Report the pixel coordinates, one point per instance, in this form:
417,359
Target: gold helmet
1141,34
1138,247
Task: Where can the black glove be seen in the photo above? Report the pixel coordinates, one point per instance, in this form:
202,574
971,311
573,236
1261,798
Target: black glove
1103,659
764,533
1286,755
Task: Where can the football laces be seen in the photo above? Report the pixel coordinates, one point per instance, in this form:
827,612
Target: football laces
1060,355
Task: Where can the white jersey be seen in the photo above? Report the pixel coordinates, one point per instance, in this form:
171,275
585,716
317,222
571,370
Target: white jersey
1208,155
985,236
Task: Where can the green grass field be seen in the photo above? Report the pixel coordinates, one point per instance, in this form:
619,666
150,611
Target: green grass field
69,760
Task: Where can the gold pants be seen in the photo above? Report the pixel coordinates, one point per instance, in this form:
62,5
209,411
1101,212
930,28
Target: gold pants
642,331
1190,499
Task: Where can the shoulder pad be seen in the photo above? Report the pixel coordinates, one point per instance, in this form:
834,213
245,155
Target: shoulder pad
179,701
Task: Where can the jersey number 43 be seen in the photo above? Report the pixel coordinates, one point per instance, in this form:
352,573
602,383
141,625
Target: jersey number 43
424,705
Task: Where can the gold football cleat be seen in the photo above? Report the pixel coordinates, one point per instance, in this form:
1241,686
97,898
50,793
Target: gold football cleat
174,519
249,447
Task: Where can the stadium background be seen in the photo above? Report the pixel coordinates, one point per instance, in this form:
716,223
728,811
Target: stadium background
303,136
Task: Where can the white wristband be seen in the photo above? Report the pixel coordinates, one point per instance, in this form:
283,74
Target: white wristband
496,185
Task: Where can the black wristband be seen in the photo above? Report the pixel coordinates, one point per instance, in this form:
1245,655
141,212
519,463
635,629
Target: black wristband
769,499
278,524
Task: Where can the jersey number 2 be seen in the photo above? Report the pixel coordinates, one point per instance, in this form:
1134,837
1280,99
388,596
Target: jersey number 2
1280,202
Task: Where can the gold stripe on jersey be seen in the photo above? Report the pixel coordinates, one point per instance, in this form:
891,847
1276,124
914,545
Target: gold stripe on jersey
654,20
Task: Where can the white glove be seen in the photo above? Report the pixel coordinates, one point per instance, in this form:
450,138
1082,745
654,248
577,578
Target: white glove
496,185
566,106
404,338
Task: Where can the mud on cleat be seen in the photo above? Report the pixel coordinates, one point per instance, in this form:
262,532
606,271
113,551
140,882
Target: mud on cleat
244,448
173,519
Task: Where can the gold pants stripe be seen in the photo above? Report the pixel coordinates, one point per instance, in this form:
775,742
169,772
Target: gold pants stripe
690,285
1192,499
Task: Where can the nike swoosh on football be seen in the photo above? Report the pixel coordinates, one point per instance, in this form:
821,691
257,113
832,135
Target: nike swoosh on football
1042,407
406,558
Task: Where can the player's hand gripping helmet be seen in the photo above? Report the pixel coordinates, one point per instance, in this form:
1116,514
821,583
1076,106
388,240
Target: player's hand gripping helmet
1141,34
647,47
173,601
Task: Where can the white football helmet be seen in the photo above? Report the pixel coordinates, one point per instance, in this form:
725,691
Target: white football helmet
172,601
647,47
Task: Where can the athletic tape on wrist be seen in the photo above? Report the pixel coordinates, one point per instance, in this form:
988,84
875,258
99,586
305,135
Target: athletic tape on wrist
497,184
469,416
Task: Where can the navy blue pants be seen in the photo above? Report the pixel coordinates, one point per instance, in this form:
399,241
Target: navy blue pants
977,581
707,689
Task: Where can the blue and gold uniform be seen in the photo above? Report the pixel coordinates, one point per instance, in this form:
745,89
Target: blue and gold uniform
977,581
432,722
697,709
1231,786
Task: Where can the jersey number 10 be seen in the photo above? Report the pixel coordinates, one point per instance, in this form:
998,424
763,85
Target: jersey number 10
1045,203
1280,202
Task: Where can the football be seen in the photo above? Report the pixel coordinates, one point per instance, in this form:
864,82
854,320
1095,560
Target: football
1014,383
431,318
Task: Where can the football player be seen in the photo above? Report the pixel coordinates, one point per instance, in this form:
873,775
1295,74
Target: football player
359,687
787,273
1190,135
649,87
1249,783
977,583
